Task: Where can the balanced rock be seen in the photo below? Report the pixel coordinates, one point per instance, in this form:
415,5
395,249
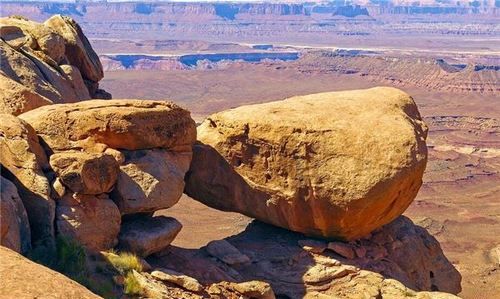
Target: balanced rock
94,221
86,173
119,124
14,225
150,180
336,165
22,159
22,278
145,235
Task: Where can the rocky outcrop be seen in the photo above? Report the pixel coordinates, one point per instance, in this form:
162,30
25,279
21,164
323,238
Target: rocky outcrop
114,158
399,260
45,63
22,159
15,230
335,165
22,278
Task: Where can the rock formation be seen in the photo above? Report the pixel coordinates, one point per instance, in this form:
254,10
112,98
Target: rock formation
22,278
108,159
336,165
46,63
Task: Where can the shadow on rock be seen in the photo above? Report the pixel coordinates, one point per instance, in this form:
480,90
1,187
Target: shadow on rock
296,265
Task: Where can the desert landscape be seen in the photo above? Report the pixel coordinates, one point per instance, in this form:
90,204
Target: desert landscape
211,58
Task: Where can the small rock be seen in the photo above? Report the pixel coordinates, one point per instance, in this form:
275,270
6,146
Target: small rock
177,278
226,252
255,289
150,287
342,249
147,235
321,273
314,246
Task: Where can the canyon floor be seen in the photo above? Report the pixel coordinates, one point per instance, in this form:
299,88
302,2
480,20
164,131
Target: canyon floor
459,202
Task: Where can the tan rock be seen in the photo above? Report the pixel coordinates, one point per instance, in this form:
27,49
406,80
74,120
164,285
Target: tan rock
22,278
85,173
150,287
74,76
145,235
337,164
22,159
315,246
224,251
119,124
254,289
23,70
15,98
78,49
92,221
150,180
177,278
46,39
14,225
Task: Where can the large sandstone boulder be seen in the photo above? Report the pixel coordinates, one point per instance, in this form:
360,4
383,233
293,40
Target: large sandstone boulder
119,124
22,278
14,225
150,180
85,173
336,165
78,49
94,221
22,159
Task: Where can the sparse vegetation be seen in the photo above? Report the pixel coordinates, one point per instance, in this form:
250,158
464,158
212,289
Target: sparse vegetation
124,262
131,285
70,259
